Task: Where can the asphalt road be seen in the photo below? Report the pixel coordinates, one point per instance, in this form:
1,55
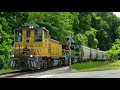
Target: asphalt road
66,73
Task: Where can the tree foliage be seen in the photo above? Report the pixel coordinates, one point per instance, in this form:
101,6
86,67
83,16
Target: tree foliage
114,52
5,48
94,29
58,23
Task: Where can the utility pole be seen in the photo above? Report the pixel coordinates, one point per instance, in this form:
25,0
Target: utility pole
70,40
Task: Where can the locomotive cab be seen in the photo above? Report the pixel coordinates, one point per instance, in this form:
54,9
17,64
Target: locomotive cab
30,37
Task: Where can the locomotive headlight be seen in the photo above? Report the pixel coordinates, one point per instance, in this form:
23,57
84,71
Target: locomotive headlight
31,55
31,27
13,56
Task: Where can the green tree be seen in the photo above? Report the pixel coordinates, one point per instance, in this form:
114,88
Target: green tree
5,49
114,52
81,39
58,23
91,35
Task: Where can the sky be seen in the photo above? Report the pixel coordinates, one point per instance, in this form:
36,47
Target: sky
117,14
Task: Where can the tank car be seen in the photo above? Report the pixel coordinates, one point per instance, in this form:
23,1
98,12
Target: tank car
85,53
93,54
100,55
104,55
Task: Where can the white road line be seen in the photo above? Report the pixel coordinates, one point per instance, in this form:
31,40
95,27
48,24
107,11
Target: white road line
45,76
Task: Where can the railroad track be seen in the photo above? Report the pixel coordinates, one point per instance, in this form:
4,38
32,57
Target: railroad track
12,74
18,73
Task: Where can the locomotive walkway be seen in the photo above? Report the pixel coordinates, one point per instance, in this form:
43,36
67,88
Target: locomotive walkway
65,73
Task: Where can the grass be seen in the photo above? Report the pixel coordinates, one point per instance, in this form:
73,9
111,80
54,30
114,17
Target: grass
96,66
87,66
6,70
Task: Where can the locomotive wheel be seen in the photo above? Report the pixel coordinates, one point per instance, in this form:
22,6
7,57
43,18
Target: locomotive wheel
60,62
50,63
45,64
63,62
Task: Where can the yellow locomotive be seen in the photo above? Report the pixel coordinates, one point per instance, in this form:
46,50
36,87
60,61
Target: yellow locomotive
34,49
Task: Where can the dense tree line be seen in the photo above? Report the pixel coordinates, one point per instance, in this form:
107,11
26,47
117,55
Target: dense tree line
99,30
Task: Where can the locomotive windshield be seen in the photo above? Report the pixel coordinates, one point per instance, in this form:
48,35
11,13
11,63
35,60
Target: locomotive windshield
28,33
18,35
38,35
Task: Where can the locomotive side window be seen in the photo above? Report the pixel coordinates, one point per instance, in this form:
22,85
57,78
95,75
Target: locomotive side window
45,34
18,35
38,35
